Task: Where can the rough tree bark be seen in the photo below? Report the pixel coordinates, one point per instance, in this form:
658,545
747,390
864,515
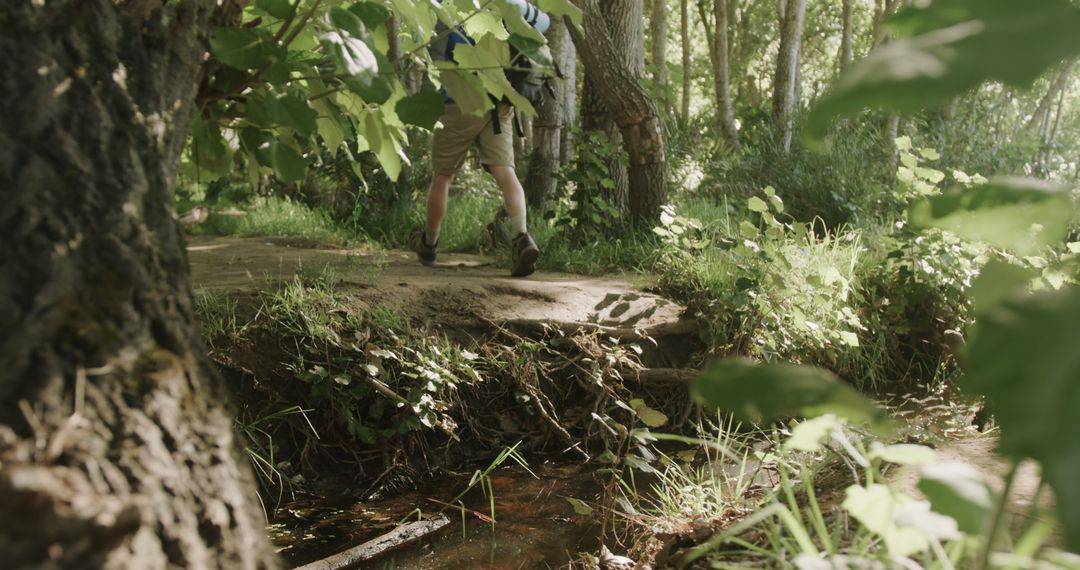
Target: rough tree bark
721,73
792,16
658,33
568,95
684,40
633,109
116,450
542,175
624,22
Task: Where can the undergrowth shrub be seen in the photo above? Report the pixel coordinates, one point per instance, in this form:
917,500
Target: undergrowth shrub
876,308
835,187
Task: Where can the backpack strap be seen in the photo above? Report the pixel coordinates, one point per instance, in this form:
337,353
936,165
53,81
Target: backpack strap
517,125
496,124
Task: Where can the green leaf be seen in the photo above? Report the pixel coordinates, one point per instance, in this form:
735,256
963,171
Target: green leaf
748,230
958,490
997,281
261,109
561,8
294,112
372,14
516,23
764,392
383,145
486,23
849,338
1023,356
351,55
378,90
580,507
466,90
280,9
874,507
243,48
1012,213
810,434
289,166
757,204
347,21
257,143
648,416
329,125
422,109
954,45
903,453
291,111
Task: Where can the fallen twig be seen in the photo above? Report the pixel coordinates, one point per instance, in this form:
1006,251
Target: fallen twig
400,536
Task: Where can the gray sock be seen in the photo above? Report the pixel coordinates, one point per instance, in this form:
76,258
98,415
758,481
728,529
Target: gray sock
517,224
431,236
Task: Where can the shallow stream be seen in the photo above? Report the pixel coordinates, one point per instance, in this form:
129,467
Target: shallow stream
535,525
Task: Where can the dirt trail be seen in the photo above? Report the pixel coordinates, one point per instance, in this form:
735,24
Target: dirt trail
458,284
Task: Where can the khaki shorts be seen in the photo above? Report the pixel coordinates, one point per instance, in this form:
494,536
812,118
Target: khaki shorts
451,142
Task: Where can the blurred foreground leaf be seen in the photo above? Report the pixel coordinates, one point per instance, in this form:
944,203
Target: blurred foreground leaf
1024,355
761,393
959,491
1017,214
950,47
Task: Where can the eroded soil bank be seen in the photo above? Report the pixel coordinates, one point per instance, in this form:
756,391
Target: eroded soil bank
559,355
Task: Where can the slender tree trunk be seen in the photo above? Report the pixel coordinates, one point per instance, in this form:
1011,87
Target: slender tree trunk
116,450
658,32
684,40
1047,101
568,95
847,53
792,16
633,109
721,73
542,177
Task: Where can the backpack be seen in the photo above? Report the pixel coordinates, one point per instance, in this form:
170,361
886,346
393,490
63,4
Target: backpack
530,78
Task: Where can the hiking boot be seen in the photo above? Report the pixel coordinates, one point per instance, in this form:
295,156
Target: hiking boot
418,243
523,256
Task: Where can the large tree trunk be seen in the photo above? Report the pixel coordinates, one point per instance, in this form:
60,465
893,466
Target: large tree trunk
116,449
658,32
633,109
542,177
624,23
721,73
792,16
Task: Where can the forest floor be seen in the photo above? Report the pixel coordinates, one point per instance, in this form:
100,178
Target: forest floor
461,290
465,296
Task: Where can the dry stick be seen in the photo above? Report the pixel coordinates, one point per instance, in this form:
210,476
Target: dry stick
400,536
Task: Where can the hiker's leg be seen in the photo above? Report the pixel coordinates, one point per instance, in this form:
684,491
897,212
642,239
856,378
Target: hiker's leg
449,147
513,196
438,196
497,155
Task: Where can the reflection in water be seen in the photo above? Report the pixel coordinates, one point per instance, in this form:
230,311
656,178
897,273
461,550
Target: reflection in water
536,527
